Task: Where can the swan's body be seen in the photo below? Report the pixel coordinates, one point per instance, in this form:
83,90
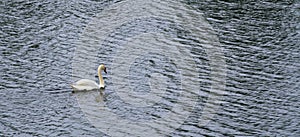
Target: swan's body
86,84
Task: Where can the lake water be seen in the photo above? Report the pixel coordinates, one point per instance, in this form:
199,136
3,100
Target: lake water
175,68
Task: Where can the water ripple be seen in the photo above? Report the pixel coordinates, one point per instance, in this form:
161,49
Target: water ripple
259,41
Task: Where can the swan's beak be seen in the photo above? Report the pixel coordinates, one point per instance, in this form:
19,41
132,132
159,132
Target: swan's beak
105,70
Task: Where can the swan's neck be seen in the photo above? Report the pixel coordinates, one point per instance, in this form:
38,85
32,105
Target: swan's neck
101,81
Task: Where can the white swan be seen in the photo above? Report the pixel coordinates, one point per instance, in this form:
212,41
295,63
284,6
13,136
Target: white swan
86,84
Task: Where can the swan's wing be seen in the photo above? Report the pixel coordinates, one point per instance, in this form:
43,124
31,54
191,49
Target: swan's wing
82,88
85,84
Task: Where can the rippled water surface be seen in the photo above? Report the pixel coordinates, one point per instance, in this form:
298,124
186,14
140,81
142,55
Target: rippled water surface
175,68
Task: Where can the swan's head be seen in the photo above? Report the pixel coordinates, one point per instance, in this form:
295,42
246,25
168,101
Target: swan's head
102,67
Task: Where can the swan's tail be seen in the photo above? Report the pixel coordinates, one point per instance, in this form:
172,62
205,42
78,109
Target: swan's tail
73,88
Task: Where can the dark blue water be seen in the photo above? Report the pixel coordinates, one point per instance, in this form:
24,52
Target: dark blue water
259,41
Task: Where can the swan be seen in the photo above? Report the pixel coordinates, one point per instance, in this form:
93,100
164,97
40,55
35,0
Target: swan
86,84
